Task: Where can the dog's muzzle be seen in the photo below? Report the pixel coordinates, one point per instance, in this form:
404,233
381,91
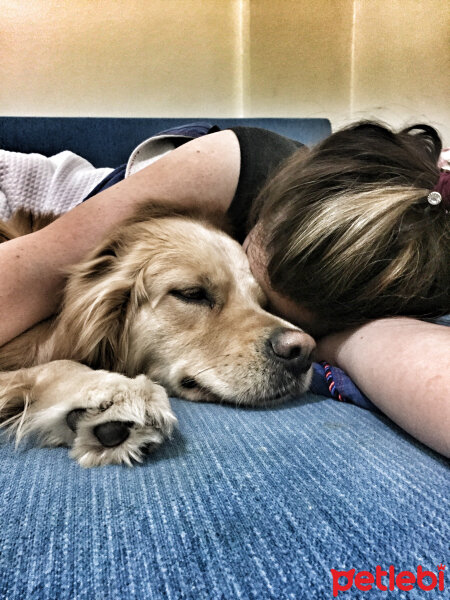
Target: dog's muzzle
290,348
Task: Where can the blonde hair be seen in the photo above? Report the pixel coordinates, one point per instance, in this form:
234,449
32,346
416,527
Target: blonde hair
348,230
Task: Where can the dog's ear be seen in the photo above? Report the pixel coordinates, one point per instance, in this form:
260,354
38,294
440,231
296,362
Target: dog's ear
100,299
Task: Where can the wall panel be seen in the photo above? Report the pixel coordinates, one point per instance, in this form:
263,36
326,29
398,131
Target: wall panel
299,57
345,59
402,62
121,57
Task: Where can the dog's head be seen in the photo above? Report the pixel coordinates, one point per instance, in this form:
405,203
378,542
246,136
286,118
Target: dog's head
173,297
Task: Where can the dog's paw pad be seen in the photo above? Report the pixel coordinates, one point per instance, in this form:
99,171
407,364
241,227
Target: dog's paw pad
73,417
112,433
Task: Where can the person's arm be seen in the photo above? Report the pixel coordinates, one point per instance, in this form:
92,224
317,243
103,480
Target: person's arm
203,172
403,366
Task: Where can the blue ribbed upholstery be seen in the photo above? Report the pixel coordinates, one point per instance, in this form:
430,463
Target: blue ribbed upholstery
243,503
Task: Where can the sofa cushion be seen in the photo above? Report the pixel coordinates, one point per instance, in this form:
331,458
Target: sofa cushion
242,503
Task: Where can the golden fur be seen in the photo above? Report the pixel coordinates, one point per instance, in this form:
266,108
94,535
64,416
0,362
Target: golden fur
166,304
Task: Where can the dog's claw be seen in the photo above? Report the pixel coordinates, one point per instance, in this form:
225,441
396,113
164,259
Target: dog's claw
73,417
113,433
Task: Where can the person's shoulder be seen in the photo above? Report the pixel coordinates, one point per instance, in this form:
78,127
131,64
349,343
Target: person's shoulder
202,172
245,140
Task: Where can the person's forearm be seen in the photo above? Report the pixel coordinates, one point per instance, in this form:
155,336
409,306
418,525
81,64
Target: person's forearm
28,290
32,267
403,366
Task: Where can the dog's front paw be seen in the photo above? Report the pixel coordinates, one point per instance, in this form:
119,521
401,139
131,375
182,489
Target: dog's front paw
124,419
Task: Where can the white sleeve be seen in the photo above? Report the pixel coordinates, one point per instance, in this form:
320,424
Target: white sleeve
152,149
45,184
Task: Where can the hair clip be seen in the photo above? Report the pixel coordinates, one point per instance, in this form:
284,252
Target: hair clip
434,198
441,192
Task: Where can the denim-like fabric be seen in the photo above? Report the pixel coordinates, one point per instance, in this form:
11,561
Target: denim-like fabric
242,503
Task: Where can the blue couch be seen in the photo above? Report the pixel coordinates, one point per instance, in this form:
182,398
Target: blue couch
241,503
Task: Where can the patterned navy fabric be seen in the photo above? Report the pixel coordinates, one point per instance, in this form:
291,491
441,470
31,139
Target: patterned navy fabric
343,389
242,504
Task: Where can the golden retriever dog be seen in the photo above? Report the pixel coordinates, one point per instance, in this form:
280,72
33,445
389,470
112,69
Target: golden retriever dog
166,305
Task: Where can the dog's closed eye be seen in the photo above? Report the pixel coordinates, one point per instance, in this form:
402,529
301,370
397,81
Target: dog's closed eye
194,295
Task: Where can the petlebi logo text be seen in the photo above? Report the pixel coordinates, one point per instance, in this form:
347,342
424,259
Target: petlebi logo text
389,580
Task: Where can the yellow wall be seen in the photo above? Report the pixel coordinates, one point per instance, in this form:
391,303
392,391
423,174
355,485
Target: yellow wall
345,59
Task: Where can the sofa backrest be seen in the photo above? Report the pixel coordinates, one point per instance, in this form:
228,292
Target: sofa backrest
108,141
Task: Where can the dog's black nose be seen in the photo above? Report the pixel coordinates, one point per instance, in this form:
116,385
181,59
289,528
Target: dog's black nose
292,347
112,433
